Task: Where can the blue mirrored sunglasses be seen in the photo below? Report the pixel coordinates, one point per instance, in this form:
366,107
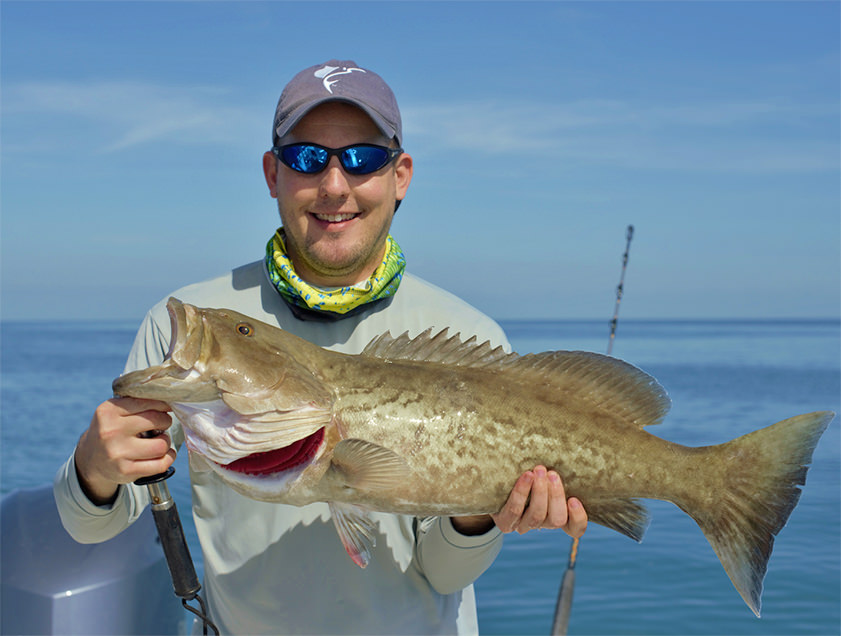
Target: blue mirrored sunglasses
355,159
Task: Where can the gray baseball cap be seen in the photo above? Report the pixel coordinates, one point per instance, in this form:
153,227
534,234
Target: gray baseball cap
342,81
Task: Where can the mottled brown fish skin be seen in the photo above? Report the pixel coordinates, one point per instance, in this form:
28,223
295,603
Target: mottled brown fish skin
468,434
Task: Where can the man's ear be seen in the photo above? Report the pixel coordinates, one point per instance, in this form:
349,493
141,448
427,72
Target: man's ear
403,167
270,172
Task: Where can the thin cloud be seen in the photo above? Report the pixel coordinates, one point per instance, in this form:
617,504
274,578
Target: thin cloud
127,114
747,136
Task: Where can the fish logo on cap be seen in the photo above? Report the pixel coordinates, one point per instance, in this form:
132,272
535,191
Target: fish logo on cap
327,73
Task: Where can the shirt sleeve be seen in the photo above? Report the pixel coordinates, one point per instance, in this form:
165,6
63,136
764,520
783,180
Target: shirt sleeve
85,521
450,560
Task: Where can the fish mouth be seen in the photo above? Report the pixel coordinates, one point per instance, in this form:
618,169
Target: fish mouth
187,333
280,459
172,381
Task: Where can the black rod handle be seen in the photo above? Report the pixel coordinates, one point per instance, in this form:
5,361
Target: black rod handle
174,543
184,578
181,568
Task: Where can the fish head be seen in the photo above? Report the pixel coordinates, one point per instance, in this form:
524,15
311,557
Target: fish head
247,393
223,354
180,377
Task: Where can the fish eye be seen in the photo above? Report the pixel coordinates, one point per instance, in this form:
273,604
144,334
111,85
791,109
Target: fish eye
245,329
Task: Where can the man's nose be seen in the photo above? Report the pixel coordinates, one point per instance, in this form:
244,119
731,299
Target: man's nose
334,180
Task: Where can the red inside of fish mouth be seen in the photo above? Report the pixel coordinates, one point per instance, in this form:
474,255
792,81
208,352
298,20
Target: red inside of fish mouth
280,459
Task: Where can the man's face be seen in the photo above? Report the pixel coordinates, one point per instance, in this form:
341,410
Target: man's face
336,223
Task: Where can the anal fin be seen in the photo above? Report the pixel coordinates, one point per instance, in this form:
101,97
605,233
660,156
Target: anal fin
626,516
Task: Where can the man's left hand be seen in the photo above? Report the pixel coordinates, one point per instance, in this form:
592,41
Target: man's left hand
538,500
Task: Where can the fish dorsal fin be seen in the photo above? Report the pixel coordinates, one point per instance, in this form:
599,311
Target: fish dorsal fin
608,382
441,347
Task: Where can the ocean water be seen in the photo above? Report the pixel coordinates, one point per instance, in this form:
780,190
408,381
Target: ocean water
725,379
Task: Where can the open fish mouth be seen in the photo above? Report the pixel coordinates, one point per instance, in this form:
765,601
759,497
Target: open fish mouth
176,378
187,331
281,459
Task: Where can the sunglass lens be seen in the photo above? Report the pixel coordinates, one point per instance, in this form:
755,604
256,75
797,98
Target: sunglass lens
312,158
308,159
364,159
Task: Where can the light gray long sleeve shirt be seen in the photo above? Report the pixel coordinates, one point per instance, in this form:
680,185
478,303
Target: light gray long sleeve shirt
278,569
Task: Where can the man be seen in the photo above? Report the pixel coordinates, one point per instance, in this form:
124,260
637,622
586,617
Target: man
333,275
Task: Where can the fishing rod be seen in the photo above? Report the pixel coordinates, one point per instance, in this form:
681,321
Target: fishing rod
563,607
620,289
181,569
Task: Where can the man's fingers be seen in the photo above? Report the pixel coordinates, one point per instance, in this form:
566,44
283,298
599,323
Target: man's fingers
538,500
151,467
557,515
577,523
155,447
535,514
507,518
132,416
125,431
130,405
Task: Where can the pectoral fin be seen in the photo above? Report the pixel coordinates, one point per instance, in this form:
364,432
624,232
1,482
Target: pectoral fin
367,466
356,530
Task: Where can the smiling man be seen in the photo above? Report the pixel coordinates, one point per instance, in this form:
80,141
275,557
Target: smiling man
336,222
333,274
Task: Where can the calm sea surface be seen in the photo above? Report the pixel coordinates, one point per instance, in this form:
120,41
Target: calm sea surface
725,379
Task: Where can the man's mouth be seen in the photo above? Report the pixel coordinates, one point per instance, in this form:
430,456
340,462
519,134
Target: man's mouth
336,218
280,459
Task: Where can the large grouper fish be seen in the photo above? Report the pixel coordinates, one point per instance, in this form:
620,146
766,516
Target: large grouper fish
432,425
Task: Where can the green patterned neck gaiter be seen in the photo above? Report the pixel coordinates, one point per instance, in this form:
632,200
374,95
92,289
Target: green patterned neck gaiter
383,282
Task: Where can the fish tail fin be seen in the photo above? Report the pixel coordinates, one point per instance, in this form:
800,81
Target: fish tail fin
761,477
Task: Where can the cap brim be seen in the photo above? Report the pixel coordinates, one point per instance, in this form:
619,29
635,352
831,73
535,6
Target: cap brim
298,113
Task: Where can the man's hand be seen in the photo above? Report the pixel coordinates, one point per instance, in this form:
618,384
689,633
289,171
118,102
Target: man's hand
538,500
114,449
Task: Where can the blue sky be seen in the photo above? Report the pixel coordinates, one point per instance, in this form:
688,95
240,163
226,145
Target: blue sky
132,135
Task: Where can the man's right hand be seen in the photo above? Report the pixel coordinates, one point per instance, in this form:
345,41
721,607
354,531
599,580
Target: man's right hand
114,449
